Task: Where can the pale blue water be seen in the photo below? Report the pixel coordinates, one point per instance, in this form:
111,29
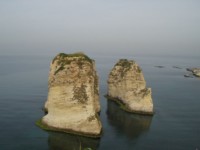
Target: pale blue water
175,125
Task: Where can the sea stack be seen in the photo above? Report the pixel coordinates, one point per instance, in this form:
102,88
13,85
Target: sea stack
127,86
73,105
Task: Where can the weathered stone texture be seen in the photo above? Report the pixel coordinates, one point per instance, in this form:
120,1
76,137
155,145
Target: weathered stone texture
126,84
73,97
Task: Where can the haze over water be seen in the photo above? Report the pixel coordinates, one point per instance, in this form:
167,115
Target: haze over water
153,33
106,27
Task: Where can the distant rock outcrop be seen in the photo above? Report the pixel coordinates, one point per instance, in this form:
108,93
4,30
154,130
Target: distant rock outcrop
127,86
73,98
195,71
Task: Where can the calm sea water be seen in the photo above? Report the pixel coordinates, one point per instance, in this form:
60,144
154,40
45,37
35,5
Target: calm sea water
175,125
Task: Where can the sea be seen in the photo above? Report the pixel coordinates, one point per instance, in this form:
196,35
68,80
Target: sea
174,126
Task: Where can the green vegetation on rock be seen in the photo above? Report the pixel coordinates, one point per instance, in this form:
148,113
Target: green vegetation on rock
124,63
62,56
65,59
41,125
125,66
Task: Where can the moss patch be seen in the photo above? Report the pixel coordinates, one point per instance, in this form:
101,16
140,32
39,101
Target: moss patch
63,59
125,66
62,56
41,125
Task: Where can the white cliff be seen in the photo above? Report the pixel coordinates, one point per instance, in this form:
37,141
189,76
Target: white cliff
72,105
127,86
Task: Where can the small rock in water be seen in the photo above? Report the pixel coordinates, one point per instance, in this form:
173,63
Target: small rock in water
195,71
188,76
176,67
159,66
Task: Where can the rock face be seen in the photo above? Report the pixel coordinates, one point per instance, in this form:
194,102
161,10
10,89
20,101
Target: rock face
127,86
195,71
73,97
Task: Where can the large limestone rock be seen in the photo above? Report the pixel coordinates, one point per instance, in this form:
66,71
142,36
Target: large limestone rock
73,98
127,86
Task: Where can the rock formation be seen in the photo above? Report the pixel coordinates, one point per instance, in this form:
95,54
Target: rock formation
127,86
73,97
195,71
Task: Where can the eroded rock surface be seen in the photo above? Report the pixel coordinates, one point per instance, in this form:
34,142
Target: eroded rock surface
127,86
73,96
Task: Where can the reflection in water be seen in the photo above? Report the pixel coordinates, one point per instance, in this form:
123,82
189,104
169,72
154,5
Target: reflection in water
132,125
63,141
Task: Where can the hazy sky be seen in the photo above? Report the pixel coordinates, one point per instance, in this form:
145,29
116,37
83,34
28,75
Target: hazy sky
99,26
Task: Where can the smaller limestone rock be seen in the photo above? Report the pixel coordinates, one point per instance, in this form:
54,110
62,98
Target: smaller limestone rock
195,71
127,86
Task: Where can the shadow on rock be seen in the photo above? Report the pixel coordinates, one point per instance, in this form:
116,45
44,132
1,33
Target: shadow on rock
132,125
62,141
